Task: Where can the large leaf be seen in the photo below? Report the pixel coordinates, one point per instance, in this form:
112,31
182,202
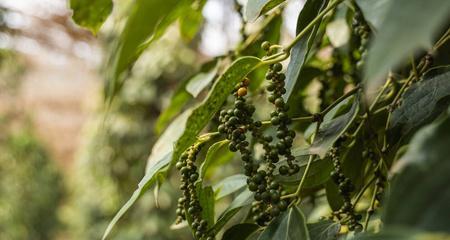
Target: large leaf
255,8
229,185
91,13
245,198
420,102
291,225
160,157
148,20
397,39
330,131
324,230
240,231
374,11
222,88
301,49
420,195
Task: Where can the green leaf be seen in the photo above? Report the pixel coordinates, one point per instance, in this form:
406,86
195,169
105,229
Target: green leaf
191,21
180,98
396,39
159,158
200,82
324,230
421,102
255,8
215,156
147,21
229,185
206,199
213,102
291,225
374,11
331,130
91,14
419,196
302,48
240,231
245,198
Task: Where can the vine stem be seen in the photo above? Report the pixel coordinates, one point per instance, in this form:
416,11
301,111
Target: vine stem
442,40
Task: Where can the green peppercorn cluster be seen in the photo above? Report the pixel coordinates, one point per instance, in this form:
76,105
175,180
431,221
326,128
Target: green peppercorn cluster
189,203
235,123
345,189
362,30
280,118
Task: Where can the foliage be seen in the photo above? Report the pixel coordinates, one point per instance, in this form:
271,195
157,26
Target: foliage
304,151
30,186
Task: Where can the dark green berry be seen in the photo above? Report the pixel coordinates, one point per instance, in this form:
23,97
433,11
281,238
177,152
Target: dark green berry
284,170
277,67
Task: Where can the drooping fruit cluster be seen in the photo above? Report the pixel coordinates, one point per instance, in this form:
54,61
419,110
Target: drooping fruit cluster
280,118
345,189
235,123
189,204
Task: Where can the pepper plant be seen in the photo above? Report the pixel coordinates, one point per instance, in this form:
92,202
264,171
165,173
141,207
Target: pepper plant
342,132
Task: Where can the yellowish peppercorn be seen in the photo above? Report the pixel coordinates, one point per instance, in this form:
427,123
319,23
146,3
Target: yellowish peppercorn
242,91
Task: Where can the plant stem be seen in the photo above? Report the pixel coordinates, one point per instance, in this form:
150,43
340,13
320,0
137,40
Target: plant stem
442,40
